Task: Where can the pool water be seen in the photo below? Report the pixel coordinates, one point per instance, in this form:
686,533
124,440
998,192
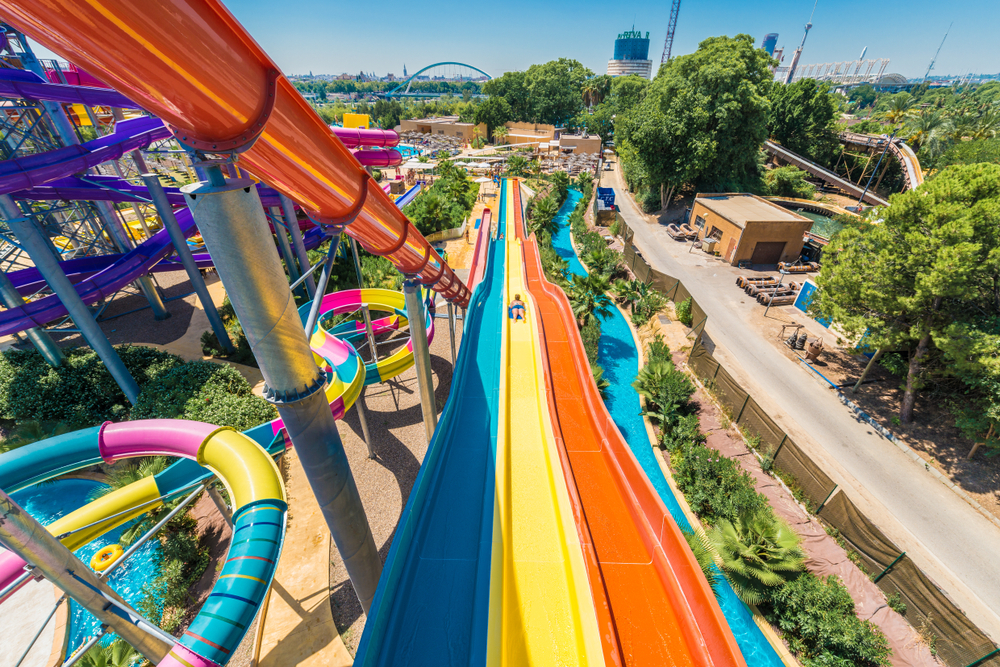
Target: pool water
823,225
53,500
619,358
408,151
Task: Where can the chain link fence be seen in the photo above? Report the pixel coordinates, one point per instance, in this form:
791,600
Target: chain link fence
956,640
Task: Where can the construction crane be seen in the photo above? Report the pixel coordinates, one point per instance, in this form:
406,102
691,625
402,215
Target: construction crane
669,42
798,51
937,53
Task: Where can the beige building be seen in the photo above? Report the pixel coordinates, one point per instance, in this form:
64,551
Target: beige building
643,68
529,133
748,228
447,126
590,143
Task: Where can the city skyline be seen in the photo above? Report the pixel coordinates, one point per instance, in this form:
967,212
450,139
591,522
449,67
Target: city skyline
308,35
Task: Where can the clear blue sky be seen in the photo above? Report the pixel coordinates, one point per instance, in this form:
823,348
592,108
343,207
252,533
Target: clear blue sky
333,37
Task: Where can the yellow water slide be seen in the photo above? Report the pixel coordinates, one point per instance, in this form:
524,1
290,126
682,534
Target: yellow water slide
541,608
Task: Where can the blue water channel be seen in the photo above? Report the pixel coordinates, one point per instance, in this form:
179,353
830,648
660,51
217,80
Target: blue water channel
52,500
619,358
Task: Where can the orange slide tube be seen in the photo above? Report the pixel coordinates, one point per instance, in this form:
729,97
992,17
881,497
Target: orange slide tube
664,612
191,63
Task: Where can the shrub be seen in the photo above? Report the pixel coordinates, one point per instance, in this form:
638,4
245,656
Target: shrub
649,200
203,391
591,335
599,380
182,560
79,393
788,182
715,486
817,616
658,349
683,312
757,553
666,390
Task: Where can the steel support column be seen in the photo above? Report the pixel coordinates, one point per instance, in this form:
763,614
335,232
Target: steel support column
34,244
40,339
232,222
27,538
288,208
421,354
451,331
166,213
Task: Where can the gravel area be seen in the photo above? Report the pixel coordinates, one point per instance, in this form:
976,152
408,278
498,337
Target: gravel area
397,432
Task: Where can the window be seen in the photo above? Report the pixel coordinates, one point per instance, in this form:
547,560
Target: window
716,233
699,222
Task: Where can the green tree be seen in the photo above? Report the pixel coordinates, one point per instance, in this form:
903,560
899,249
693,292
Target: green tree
555,90
925,127
863,96
702,121
899,107
704,554
971,152
802,119
517,165
788,182
494,112
588,298
543,216
926,279
757,552
560,184
118,653
513,88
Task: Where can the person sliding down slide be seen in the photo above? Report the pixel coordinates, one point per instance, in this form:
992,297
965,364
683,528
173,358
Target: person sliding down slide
517,308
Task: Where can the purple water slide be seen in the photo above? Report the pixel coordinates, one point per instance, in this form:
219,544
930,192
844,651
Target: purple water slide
129,135
30,86
379,158
129,265
112,188
355,137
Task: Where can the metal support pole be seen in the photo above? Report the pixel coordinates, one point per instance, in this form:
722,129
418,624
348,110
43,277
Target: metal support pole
288,208
421,354
286,248
369,333
40,339
116,228
220,504
880,158
166,213
360,405
324,278
34,244
451,331
232,222
29,540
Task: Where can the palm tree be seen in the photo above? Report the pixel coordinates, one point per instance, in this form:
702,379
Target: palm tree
588,298
599,380
705,555
604,261
591,93
560,182
925,126
124,474
499,132
899,107
543,216
757,553
118,653
988,124
517,165
665,389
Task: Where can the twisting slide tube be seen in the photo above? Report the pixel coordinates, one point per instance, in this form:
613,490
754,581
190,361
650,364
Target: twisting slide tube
243,466
218,90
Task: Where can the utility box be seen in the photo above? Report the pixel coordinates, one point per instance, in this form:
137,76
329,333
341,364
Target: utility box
708,245
607,195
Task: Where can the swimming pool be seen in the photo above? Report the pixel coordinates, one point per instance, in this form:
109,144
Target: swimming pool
408,151
823,225
619,358
52,500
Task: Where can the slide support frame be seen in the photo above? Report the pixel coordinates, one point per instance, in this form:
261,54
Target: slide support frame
232,222
421,353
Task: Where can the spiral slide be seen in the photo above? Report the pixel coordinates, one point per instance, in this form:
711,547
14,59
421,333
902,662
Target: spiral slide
246,469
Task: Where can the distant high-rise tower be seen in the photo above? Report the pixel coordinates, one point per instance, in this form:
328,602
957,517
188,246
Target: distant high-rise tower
404,71
631,55
770,40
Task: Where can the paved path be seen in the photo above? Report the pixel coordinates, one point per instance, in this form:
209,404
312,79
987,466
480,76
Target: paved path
945,536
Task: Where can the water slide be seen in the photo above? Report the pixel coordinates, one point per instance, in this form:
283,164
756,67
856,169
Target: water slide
192,64
432,605
913,175
245,468
788,157
663,611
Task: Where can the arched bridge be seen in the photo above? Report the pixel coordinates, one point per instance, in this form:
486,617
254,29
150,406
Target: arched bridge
403,89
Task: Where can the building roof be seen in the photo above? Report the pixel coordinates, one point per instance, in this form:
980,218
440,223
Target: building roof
740,209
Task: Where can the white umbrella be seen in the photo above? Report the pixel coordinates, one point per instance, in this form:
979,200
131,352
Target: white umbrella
483,179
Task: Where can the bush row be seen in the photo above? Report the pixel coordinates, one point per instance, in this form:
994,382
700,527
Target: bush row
815,614
82,393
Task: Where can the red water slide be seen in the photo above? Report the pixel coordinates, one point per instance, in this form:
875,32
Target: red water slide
192,64
663,611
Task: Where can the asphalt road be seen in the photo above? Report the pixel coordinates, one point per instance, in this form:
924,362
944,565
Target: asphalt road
950,540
